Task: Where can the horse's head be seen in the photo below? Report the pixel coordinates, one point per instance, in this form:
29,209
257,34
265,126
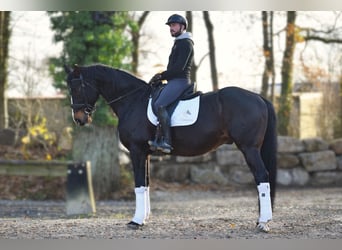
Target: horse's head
83,95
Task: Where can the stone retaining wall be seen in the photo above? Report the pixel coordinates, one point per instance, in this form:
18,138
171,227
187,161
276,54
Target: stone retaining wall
307,162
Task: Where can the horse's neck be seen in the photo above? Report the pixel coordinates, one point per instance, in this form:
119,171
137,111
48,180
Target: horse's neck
124,92
125,82
115,84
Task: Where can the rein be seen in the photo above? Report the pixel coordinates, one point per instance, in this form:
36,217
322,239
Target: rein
90,108
125,95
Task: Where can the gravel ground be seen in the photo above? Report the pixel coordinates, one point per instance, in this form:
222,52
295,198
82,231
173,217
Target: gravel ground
309,213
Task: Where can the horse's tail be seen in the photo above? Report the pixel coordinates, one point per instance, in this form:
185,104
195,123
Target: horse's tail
269,148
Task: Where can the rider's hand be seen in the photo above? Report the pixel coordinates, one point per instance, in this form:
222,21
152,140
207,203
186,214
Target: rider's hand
156,78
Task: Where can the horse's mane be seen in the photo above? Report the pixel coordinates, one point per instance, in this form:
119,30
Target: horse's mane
112,73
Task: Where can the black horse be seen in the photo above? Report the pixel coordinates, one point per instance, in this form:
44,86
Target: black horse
229,115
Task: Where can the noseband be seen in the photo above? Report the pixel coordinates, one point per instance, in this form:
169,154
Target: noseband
86,106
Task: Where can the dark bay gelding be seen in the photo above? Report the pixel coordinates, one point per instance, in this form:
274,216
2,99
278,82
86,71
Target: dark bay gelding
229,115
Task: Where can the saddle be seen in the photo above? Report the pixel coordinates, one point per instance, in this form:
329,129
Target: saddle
188,93
183,112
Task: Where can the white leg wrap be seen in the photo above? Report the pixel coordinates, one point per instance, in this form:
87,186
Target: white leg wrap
265,202
142,205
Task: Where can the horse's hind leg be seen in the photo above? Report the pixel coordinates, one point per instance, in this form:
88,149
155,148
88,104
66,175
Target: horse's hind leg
256,165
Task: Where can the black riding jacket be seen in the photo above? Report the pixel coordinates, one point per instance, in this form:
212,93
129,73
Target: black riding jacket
180,59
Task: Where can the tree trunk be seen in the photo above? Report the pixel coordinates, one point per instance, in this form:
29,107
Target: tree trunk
339,130
212,56
99,145
267,24
287,76
272,60
4,44
194,67
135,41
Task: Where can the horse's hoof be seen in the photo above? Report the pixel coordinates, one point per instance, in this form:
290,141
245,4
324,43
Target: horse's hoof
263,227
135,226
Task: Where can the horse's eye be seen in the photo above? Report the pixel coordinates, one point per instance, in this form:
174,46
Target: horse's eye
75,83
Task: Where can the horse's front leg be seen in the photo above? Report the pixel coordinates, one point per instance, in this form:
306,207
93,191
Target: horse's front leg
140,162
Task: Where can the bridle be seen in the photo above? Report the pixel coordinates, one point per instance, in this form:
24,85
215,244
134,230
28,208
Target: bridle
88,108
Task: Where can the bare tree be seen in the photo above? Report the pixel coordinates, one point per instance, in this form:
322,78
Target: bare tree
188,15
135,32
294,33
28,82
287,75
332,34
328,34
269,71
195,66
5,34
339,130
212,56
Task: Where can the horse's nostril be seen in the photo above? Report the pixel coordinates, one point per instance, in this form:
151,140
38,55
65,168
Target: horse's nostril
78,121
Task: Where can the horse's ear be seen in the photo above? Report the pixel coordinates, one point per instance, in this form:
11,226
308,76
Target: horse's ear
67,69
77,70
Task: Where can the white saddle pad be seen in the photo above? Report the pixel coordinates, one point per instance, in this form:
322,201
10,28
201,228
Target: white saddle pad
185,114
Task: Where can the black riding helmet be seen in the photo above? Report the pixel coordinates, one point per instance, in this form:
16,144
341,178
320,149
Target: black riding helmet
175,18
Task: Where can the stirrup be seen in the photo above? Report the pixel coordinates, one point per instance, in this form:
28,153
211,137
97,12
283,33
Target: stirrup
165,148
153,145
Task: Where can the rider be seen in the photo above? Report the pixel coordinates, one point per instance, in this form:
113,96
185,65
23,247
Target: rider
177,75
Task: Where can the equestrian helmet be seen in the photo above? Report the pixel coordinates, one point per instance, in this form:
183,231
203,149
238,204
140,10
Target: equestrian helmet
175,18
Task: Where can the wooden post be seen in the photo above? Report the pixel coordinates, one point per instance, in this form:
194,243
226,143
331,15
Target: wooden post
80,194
99,145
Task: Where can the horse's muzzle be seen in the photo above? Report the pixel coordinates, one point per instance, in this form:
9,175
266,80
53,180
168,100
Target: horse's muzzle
82,118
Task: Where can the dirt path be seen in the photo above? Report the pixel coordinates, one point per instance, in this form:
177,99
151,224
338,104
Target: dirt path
190,214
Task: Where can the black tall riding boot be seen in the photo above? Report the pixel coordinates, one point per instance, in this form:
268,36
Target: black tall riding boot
164,144
162,140
154,144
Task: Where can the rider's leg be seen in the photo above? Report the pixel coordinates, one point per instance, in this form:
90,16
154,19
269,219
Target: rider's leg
170,93
154,143
164,120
